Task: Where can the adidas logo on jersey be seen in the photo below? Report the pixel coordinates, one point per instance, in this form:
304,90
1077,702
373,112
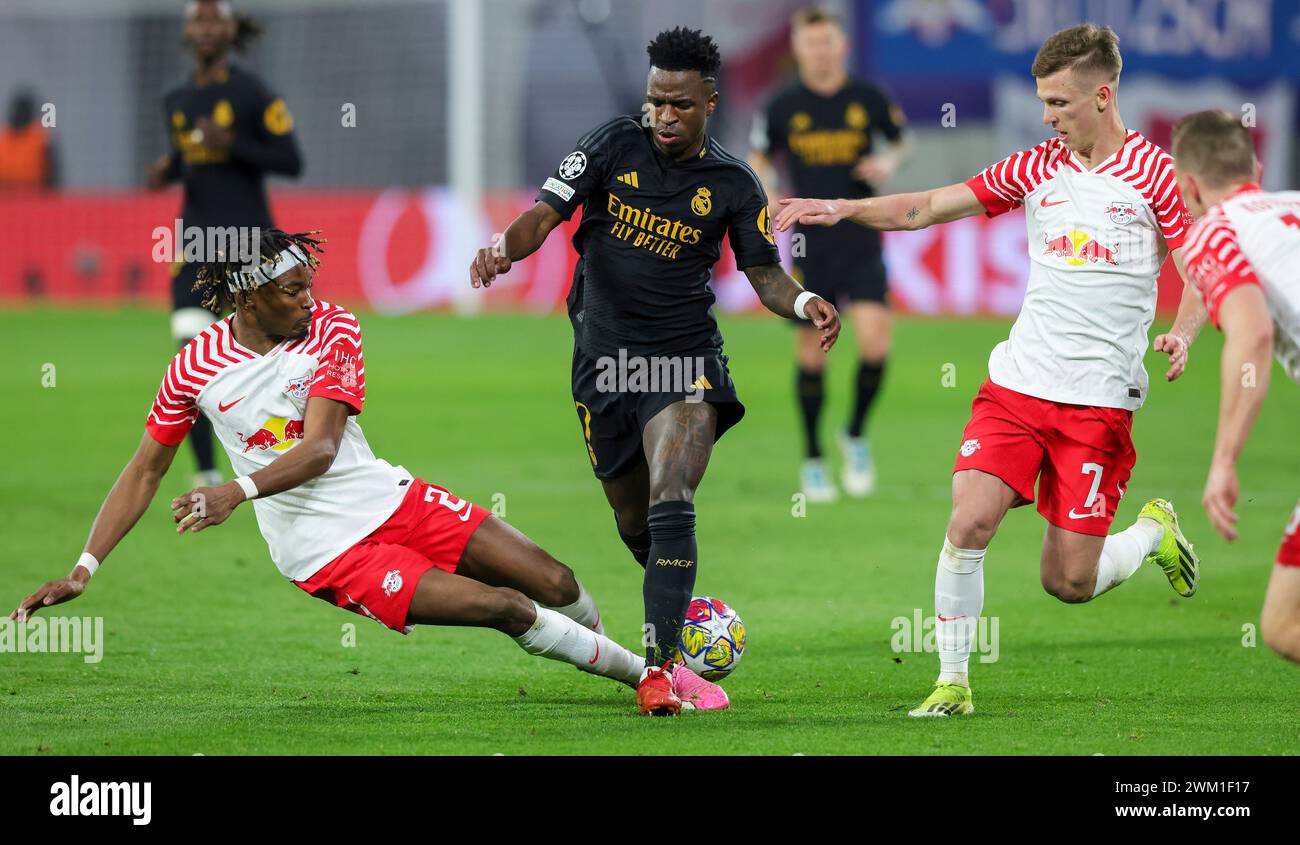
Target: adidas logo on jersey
629,178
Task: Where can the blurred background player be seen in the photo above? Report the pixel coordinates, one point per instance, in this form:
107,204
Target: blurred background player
823,128
1058,405
658,196
282,379
1242,256
226,130
27,157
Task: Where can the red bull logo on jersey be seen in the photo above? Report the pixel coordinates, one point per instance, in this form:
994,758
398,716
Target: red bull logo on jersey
1078,248
276,434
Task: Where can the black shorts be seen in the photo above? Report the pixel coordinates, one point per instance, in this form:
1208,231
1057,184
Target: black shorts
616,399
842,276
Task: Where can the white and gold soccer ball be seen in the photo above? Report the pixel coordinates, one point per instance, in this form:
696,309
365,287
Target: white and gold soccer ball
712,639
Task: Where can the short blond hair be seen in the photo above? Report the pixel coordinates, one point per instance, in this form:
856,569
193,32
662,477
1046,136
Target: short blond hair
809,15
1086,48
1215,147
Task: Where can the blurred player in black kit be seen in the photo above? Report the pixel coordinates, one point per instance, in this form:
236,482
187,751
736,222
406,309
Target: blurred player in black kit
658,196
226,130
822,127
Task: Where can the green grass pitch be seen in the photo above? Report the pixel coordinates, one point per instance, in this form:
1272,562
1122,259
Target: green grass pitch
208,650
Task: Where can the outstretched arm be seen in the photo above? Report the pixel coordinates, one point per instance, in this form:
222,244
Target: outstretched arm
1247,361
778,292
521,239
322,431
1187,324
125,503
888,213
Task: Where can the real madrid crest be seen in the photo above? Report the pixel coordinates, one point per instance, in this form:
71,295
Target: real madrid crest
855,116
701,203
223,114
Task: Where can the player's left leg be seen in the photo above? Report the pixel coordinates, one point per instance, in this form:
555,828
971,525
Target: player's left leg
1091,457
873,327
810,391
500,555
678,443
1280,620
446,598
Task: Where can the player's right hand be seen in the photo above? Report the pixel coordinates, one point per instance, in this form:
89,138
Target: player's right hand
490,262
51,592
811,212
1221,491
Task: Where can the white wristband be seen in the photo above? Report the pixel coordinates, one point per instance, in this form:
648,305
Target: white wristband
246,484
801,303
88,562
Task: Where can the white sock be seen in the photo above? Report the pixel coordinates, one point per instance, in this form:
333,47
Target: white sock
557,637
958,601
1123,553
583,611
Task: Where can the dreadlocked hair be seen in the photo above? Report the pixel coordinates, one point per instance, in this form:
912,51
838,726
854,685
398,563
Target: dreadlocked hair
214,277
685,49
247,28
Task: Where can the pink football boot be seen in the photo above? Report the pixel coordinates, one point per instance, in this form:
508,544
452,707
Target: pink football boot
697,693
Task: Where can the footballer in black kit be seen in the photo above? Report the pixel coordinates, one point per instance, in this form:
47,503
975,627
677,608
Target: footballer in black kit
650,382
825,128
225,131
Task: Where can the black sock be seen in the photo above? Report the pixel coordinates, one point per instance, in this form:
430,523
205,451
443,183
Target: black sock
811,393
201,440
869,377
637,544
669,577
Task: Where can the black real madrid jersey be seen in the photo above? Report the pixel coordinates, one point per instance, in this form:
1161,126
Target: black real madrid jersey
224,187
651,231
822,138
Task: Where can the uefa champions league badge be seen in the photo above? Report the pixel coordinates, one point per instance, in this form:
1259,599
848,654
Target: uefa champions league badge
1122,213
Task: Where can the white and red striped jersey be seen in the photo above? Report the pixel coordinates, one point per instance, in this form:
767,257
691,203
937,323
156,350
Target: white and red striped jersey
257,403
1252,237
1097,239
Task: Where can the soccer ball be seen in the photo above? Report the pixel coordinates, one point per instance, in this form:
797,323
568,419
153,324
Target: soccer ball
712,639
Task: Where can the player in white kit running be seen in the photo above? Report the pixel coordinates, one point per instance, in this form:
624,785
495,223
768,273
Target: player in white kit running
1243,256
1103,211
281,380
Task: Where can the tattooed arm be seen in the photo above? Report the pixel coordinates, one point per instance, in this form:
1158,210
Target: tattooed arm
777,291
887,213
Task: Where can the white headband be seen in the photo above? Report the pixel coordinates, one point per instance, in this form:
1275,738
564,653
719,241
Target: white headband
290,257
223,6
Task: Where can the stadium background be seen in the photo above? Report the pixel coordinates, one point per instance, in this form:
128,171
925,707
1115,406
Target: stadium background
462,109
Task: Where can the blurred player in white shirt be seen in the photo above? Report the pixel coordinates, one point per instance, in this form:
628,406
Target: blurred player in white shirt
1243,256
1103,211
